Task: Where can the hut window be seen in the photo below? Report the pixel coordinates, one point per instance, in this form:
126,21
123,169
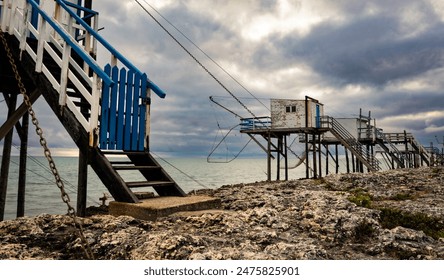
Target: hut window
290,109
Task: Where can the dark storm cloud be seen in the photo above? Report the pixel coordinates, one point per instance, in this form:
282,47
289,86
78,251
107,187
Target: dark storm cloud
367,51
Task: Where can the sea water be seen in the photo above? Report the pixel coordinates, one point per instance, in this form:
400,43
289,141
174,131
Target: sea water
43,196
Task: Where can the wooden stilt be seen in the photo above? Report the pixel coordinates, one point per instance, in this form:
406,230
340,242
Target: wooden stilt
286,157
315,168
326,160
6,158
307,161
278,157
353,163
23,133
337,158
320,155
347,160
269,158
82,183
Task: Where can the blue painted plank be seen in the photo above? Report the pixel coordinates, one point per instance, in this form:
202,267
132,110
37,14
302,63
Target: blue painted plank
128,111
121,109
113,109
104,116
142,117
135,124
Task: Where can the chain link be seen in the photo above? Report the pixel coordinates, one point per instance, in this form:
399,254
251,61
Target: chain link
47,152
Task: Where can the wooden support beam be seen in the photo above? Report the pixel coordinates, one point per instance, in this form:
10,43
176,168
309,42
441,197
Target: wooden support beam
326,159
320,155
23,134
17,114
6,158
337,158
278,162
269,158
82,183
286,157
347,161
315,165
307,160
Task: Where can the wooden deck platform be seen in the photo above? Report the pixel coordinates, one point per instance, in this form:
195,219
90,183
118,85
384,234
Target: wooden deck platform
153,208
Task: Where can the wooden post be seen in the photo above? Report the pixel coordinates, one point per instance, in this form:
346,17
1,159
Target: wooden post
11,101
269,157
347,160
406,148
326,159
307,161
286,157
337,158
320,155
82,183
23,133
278,157
315,168
353,162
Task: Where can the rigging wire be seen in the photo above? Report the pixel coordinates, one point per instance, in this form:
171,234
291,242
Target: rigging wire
224,107
204,53
197,61
224,141
47,169
182,172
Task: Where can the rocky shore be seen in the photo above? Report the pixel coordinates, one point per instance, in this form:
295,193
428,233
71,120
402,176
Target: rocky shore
397,214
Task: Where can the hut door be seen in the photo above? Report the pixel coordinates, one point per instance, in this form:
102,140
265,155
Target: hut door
318,116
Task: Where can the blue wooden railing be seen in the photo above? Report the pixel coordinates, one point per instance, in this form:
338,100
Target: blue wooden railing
255,123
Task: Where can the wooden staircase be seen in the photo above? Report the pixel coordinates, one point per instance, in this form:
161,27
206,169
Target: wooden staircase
144,163
66,73
351,143
391,149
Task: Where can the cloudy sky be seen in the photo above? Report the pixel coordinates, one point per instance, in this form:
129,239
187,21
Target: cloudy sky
386,57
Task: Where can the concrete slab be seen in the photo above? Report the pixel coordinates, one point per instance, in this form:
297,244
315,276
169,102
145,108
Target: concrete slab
153,208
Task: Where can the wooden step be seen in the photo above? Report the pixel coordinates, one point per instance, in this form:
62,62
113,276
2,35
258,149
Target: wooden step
142,184
120,162
136,167
119,152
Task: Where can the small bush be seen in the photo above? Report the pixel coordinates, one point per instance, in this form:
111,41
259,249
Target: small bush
431,226
361,199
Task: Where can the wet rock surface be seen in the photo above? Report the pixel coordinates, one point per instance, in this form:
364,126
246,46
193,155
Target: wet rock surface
396,214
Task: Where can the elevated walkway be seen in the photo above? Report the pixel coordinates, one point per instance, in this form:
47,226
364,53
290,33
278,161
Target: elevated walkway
407,139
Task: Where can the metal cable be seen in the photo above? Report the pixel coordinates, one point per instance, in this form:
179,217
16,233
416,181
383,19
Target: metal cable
212,60
197,61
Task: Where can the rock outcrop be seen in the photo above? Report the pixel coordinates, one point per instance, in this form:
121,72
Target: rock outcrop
396,214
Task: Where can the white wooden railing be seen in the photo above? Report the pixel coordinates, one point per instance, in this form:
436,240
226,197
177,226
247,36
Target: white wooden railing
58,37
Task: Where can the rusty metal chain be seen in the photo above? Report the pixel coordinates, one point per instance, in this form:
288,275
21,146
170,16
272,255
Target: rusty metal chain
47,152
